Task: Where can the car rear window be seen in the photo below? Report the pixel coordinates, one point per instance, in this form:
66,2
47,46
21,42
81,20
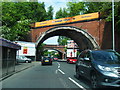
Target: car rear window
46,57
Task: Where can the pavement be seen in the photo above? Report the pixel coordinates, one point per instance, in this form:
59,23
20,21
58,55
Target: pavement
62,60
20,67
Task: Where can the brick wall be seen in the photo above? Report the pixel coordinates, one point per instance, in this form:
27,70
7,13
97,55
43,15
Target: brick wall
99,29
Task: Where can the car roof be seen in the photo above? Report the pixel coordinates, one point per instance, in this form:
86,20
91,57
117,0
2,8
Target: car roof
106,50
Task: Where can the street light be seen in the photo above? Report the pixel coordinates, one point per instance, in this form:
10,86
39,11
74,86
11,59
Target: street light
113,37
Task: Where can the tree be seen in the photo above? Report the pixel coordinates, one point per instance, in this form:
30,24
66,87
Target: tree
75,8
16,32
106,9
65,12
72,9
50,13
62,40
17,16
59,14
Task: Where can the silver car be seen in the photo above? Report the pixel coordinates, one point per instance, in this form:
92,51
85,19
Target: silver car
23,59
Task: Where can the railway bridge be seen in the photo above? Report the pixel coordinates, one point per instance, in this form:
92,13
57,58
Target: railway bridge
59,48
89,31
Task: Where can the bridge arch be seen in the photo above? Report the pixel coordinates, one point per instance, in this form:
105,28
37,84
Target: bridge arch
83,39
61,53
53,49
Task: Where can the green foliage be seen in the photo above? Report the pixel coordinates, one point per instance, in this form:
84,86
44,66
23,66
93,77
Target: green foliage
41,47
106,9
17,16
56,55
51,53
117,16
62,40
6,32
45,53
59,14
72,9
75,8
50,13
62,13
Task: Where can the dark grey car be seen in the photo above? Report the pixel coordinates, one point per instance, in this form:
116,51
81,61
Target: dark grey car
101,67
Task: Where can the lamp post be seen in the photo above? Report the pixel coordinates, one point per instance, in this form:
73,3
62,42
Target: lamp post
113,37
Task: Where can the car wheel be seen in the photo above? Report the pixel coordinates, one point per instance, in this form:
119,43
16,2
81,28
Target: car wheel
27,61
42,63
67,61
94,81
77,74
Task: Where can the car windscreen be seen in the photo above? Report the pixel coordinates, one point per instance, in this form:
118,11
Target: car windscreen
104,56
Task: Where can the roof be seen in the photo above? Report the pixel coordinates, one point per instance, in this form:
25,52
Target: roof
9,44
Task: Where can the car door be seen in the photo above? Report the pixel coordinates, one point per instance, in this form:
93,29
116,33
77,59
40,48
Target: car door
87,64
80,64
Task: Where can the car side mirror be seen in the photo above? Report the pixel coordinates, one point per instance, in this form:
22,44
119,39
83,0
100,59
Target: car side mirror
81,59
86,59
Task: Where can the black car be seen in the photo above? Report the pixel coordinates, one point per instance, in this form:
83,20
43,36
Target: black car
101,67
46,60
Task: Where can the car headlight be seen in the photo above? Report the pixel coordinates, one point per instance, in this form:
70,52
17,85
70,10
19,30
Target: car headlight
104,68
108,71
28,59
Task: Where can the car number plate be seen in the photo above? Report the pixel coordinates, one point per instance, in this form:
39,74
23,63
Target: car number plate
46,60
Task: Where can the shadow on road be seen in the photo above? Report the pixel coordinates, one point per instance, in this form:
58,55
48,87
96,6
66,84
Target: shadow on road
84,81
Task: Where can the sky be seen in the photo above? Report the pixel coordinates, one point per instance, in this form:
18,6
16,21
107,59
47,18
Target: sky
56,4
52,40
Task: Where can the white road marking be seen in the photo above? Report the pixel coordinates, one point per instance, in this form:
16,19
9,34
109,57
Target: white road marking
57,68
64,83
58,65
61,71
76,83
56,71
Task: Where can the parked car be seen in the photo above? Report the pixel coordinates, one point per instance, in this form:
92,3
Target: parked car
101,67
71,60
46,60
55,58
23,59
